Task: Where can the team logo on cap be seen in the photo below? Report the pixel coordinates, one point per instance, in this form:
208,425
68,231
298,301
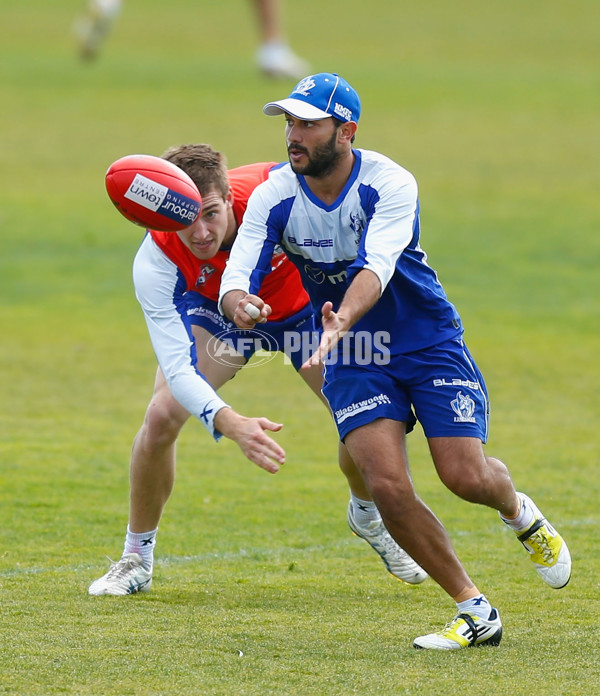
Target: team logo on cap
343,112
304,86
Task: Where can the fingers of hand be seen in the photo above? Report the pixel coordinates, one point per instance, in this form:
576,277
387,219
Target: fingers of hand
267,458
329,340
266,424
252,311
250,314
243,319
264,451
315,359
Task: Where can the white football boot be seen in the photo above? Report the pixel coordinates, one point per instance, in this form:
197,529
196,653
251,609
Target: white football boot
276,59
547,549
464,631
126,576
395,558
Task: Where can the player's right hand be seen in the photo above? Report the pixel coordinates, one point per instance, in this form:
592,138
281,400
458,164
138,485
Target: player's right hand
258,446
249,311
251,437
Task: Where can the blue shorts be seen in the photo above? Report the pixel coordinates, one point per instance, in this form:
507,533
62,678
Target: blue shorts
273,336
440,387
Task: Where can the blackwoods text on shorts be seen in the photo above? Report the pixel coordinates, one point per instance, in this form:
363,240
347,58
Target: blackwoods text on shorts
355,347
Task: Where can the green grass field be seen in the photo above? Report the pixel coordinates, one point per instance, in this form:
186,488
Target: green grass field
259,586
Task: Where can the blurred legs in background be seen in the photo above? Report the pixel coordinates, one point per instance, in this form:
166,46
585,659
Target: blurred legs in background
94,25
274,57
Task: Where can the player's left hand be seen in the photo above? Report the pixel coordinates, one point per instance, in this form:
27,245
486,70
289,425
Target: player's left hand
333,331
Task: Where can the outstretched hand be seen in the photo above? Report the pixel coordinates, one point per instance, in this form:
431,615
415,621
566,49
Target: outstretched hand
258,446
332,333
251,437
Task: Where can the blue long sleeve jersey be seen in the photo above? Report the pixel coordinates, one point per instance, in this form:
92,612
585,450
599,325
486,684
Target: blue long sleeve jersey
373,224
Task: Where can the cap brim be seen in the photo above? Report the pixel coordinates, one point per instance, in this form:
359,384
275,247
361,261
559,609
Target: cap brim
295,108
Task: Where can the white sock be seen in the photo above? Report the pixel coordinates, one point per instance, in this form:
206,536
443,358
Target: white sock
364,511
142,544
479,606
525,517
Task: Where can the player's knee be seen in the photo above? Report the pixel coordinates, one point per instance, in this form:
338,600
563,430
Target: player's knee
163,421
384,488
467,482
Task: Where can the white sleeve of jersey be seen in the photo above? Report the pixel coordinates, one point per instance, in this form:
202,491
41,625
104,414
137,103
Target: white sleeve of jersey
390,230
247,248
155,280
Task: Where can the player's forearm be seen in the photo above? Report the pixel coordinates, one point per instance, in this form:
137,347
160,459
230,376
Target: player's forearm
362,293
226,421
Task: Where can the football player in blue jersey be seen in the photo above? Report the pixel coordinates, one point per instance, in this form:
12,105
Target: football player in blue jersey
349,219
176,278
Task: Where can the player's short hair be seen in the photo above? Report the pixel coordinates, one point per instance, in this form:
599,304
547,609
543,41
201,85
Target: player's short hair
206,167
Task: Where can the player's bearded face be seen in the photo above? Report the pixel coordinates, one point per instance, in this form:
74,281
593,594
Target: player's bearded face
322,159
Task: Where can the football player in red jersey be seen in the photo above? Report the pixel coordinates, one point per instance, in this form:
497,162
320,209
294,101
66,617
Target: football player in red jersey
177,277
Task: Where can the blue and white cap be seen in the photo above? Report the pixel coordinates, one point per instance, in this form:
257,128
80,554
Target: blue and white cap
317,97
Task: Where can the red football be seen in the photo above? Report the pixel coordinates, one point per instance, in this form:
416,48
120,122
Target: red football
153,192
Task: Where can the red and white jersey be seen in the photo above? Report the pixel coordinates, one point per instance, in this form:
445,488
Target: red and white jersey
164,269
